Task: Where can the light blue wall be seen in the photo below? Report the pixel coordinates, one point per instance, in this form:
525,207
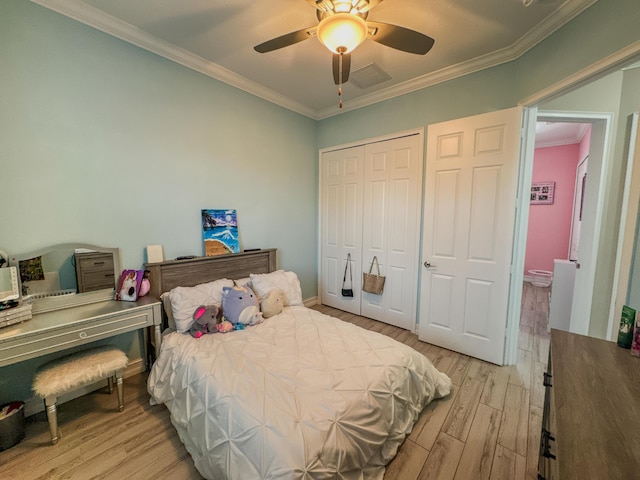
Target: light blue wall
602,30
104,143
480,92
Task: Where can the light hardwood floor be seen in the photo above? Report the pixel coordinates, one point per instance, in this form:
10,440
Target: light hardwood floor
488,428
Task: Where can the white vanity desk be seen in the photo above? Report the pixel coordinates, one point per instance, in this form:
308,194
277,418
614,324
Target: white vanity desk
58,330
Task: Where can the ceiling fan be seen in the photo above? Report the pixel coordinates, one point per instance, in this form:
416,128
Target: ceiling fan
343,26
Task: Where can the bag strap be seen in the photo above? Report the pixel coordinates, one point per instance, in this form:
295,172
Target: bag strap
348,265
375,260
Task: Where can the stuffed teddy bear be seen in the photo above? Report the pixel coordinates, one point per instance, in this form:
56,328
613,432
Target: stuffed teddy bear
240,306
205,320
272,303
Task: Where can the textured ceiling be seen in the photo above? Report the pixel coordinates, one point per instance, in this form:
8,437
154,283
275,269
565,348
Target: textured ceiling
216,37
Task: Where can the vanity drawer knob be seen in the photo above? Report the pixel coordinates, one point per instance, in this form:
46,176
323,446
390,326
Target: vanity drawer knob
83,335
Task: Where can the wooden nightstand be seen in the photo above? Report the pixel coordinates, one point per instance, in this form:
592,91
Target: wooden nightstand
94,271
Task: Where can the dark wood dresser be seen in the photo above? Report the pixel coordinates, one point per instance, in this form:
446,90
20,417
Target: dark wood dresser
591,421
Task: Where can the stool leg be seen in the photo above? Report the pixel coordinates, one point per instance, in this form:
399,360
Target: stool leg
120,388
110,382
52,417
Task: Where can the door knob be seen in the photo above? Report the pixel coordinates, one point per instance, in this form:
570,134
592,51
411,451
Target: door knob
428,265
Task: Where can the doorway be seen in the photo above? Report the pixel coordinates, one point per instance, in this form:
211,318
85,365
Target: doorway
556,210
599,151
592,207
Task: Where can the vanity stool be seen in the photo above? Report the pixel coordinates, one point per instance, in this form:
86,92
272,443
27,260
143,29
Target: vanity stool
76,370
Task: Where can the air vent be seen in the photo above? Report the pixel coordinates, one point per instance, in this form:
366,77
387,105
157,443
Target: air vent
368,76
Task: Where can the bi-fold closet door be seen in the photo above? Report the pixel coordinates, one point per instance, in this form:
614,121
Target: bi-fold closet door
370,205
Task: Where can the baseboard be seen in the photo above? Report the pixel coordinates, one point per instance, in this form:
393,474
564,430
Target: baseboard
35,404
310,302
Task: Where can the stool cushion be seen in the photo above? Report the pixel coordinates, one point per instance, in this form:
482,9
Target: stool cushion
73,371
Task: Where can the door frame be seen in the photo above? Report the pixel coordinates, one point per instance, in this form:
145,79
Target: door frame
600,157
530,104
627,230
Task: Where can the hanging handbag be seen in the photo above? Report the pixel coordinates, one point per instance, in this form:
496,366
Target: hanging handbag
373,283
347,292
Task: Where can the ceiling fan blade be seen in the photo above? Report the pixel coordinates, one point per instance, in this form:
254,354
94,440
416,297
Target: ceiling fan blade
346,67
285,40
400,38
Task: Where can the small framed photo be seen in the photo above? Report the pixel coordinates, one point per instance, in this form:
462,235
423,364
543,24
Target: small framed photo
542,193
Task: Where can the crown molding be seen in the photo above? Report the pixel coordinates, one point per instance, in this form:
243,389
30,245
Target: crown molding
110,25
602,67
582,130
567,12
95,18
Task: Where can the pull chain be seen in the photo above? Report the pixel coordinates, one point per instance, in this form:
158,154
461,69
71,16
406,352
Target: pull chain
340,81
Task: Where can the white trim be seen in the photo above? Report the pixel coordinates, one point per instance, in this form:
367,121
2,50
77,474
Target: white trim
583,77
521,224
578,324
577,187
100,20
96,18
583,128
382,138
310,302
626,232
587,75
492,59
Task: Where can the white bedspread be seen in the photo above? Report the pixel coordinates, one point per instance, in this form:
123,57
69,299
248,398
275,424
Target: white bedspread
302,395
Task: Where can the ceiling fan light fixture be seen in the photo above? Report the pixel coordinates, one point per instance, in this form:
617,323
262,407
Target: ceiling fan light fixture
342,32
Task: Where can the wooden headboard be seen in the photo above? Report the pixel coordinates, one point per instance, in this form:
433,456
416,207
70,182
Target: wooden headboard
186,273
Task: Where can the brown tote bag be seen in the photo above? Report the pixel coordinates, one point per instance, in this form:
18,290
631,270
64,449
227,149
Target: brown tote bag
373,283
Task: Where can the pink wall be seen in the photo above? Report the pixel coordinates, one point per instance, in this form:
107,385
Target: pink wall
550,225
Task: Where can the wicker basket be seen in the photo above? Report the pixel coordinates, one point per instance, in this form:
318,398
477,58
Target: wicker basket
541,278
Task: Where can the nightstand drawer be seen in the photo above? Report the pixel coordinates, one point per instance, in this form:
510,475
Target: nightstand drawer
94,271
89,261
97,280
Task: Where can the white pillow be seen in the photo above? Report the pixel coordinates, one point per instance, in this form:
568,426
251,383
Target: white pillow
263,283
166,305
244,282
185,300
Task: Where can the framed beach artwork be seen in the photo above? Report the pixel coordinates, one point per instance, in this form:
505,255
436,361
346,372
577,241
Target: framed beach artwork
219,232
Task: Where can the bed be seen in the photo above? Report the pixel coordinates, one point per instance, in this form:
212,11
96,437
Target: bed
301,395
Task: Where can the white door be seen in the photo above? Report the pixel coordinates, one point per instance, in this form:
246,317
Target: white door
586,292
391,219
578,208
470,197
341,226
